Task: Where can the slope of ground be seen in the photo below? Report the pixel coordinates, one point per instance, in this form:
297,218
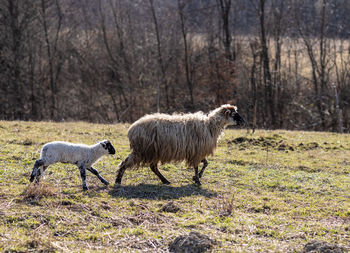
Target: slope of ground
267,191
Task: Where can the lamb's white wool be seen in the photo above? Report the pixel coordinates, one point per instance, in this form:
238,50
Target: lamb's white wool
179,137
84,156
65,152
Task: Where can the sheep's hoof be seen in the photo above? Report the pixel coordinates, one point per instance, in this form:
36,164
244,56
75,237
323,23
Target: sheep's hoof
196,180
105,182
118,180
85,188
166,182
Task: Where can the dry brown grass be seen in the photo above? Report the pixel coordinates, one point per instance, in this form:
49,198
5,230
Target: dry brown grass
251,199
38,191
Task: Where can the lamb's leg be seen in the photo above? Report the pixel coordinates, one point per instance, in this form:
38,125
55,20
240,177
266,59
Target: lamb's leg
95,172
35,171
83,177
205,164
196,176
157,172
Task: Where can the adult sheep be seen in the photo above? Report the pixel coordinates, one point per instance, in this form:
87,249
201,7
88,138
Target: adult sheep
82,155
173,138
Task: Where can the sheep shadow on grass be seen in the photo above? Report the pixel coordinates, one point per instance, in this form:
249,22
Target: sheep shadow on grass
154,192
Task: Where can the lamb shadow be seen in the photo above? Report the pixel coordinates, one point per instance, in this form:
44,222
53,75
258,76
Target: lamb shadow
154,192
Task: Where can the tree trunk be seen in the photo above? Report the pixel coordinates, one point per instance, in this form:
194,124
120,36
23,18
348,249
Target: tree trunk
266,65
186,56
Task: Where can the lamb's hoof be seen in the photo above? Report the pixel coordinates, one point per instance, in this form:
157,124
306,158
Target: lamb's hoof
85,188
116,186
166,182
105,182
196,180
31,179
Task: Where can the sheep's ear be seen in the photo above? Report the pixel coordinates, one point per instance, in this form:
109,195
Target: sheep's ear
103,144
227,113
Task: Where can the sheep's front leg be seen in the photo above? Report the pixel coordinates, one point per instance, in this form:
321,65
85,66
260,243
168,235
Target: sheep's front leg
205,164
196,176
83,177
95,172
160,176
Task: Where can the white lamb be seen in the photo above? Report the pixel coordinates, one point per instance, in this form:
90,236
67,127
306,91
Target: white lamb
82,155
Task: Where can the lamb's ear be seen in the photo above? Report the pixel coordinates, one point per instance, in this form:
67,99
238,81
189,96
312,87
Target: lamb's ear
103,144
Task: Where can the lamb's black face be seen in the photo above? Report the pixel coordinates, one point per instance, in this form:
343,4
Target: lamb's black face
233,116
108,146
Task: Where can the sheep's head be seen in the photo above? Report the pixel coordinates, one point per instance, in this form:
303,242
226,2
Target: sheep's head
231,115
107,145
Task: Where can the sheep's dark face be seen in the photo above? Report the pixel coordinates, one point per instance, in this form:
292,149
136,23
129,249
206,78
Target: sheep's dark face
233,116
108,146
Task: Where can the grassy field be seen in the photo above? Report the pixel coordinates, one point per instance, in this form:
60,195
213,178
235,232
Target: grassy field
271,191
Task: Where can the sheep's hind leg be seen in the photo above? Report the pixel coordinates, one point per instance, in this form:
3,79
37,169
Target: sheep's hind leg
122,167
95,172
205,164
83,177
36,169
196,176
157,172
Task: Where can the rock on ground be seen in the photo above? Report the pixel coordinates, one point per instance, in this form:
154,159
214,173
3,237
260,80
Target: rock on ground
194,242
170,207
323,247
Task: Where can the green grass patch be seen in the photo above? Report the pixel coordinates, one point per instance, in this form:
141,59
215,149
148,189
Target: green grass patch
267,191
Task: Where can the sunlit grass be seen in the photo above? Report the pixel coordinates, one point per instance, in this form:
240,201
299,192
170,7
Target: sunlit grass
268,191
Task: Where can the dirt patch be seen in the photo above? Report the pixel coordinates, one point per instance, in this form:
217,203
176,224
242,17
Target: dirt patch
274,142
25,142
261,209
283,147
193,242
145,217
240,162
308,146
35,245
260,142
323,247
307,169
170,207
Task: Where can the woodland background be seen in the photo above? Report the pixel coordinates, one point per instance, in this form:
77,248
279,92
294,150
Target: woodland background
284,63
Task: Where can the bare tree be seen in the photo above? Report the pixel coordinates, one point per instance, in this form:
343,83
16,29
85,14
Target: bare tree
52,34
225,7
181,9
259,6
160,60
319,58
